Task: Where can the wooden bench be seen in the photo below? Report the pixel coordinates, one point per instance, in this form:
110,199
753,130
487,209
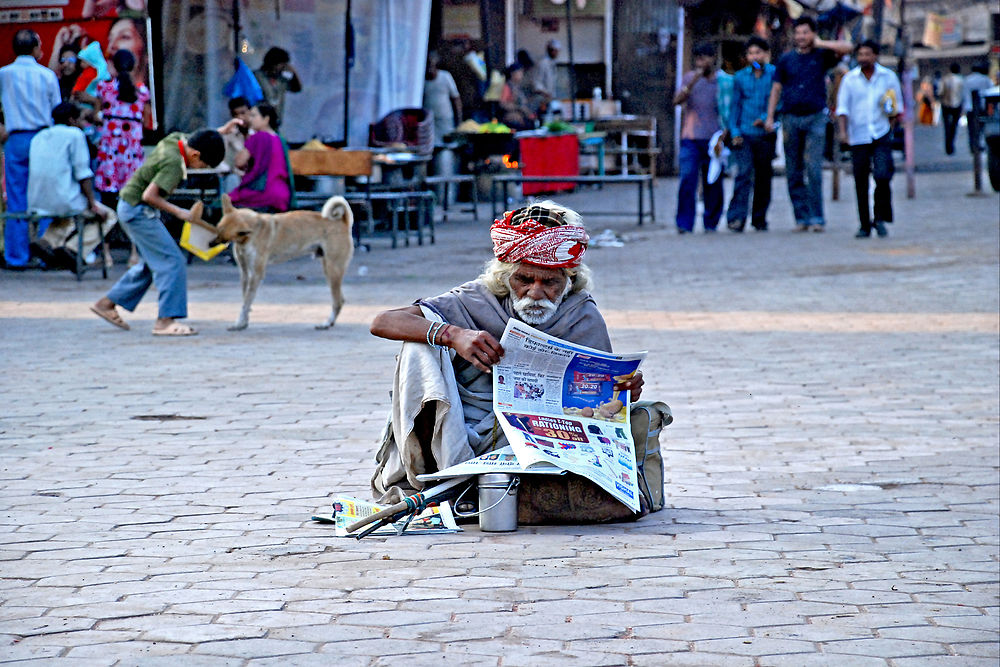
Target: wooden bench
79,221
639,180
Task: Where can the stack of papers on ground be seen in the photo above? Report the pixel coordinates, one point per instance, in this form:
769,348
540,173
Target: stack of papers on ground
347,510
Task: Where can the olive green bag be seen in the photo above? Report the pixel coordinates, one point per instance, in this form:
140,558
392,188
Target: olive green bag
571,499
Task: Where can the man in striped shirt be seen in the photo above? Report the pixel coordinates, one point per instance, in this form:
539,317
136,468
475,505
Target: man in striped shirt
753,146
28,93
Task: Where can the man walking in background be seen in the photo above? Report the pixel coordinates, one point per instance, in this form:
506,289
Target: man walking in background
753,146
951,106
800,85
977,81
701,120
867,106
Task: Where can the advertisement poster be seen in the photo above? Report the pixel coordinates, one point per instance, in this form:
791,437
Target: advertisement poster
70,26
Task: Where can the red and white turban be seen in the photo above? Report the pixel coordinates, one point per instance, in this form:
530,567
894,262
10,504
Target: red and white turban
521,236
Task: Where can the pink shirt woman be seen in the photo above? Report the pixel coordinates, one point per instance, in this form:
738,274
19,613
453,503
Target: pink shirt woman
266,185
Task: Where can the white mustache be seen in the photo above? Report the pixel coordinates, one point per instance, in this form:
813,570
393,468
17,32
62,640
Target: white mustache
538,311
535,311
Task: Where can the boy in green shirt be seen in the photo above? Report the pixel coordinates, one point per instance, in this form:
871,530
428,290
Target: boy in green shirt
139,211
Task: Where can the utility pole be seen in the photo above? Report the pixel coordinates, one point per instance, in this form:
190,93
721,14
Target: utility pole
908,116
348,64
569,54
878,11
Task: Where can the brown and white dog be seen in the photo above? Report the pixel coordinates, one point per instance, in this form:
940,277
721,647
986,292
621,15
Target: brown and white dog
262,238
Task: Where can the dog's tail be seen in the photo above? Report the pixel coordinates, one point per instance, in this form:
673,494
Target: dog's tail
337,207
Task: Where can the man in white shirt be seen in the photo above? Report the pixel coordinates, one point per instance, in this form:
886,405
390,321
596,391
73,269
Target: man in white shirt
868,104
978,80
28,92
442,99
951,105
543,78
60,185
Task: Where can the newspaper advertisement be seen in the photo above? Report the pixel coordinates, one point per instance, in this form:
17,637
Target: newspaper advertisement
347,510
556,402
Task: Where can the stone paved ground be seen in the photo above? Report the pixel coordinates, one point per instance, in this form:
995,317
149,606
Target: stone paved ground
832,474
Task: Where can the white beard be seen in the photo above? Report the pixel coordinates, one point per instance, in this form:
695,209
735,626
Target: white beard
538,311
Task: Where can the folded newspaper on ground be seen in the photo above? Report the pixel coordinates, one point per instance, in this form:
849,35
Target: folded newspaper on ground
501,460
556,402
347,510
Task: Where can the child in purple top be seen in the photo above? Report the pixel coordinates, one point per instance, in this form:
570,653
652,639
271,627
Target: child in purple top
266,185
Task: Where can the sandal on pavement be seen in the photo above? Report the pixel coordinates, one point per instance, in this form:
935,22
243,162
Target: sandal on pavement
175,329
111,316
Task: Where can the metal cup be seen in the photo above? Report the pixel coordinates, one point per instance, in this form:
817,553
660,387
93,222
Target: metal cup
498,503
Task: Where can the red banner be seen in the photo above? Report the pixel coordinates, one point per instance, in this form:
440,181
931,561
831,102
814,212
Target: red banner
113,24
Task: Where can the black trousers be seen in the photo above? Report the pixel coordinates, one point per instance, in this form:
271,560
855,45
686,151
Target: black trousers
754,172
874,159
950,117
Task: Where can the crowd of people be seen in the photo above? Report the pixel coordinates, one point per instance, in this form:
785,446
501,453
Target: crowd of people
97,131
948,99
87,143
457,87
818,104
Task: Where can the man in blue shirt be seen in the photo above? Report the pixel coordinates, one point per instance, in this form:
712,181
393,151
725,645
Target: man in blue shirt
28,93
753,146
800,84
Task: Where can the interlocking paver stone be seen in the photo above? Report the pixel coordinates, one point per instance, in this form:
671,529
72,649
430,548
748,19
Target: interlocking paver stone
831,475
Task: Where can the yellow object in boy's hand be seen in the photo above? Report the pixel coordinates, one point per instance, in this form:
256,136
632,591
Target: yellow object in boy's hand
198,241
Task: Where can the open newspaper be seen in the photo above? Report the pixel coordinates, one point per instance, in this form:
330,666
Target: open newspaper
501,460
557,404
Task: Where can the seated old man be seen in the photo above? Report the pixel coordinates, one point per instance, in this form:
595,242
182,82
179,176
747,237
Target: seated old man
442,398
61,185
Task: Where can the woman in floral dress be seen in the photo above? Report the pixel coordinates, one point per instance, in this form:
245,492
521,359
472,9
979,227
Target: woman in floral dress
125,110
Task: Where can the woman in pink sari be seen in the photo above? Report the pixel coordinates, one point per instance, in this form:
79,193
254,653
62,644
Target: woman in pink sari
267,185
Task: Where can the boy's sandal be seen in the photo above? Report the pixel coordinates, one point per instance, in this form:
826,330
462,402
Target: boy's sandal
175,329
111,316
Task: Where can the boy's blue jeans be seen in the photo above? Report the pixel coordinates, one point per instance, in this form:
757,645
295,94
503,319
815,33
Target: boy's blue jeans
693,161
162,263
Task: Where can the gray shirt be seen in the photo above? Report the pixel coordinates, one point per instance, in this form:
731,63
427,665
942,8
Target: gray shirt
57,161
438,94
701,111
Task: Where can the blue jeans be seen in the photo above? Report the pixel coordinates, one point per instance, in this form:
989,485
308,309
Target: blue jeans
693,160
753,162
804,140
162,263
15,231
